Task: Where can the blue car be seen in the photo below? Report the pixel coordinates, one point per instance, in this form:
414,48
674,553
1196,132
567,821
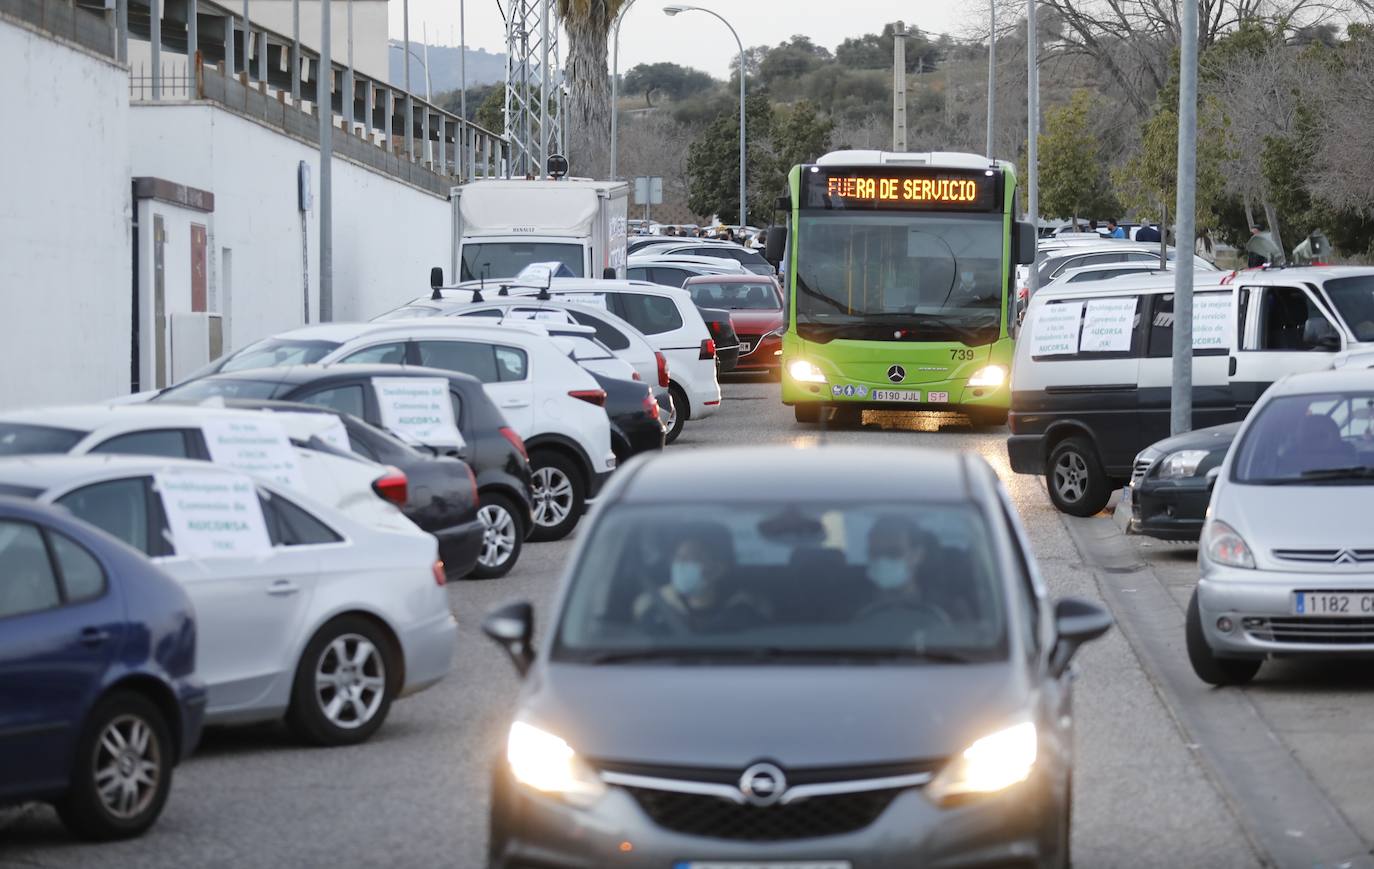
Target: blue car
98,694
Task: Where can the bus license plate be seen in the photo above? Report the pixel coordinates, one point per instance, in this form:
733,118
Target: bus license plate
1333,603
896,395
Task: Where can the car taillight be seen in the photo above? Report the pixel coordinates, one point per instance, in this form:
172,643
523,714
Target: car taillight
440,578
636,376
591,396
515,440
662,369
708,349
392,486
651,406
714,327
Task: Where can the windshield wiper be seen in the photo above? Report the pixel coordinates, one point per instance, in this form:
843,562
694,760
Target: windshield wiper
666,654
1357,472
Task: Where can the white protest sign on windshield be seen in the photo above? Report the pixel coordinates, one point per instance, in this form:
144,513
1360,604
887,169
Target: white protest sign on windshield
1054,331
1212,321
1108,325
418,410
255,444
212,514
327,427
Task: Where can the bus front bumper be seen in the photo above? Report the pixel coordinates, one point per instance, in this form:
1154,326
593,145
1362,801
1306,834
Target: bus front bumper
951,395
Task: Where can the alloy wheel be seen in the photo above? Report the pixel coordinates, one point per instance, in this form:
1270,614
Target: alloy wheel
128,766
553,496
498,535
1071,477
350,681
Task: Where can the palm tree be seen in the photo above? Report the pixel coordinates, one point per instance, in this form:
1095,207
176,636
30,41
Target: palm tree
588,109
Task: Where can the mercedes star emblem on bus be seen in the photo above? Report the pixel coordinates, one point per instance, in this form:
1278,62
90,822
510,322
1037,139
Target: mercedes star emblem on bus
896,374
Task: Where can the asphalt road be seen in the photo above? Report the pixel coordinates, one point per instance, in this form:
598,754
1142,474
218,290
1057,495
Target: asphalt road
1149,789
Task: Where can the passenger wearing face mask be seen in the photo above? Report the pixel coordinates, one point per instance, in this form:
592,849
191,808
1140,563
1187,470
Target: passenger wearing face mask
697,597
903,564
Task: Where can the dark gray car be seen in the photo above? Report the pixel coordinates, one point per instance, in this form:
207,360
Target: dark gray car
849,664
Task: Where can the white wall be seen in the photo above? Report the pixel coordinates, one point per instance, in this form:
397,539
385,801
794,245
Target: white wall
65,285
386,234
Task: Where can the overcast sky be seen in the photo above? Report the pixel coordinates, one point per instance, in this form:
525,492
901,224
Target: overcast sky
696,39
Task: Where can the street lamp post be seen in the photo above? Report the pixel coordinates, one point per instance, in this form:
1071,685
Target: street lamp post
743,190
419,59
615,92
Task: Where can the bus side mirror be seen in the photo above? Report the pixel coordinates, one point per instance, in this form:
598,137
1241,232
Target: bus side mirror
1023,243
776,245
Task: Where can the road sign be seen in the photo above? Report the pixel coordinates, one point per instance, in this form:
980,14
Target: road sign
649,190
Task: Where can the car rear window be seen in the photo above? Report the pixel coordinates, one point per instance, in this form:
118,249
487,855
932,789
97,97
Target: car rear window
650,314
19,439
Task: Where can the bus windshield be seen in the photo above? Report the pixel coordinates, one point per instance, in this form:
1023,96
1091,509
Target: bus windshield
900,277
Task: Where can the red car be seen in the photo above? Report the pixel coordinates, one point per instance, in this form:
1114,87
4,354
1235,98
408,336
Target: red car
756,312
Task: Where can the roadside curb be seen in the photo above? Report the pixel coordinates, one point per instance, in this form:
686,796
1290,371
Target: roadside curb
1284,815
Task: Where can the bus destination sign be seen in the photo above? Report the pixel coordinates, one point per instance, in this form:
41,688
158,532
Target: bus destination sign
936,190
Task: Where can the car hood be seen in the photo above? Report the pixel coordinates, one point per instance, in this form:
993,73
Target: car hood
1297,517
1217,437
729,717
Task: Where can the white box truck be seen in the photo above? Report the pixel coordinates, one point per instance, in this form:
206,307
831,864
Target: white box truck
500,226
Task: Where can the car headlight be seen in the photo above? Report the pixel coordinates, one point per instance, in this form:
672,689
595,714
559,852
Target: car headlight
988,375
804,371
993,763
1181,464
1225,546
546,763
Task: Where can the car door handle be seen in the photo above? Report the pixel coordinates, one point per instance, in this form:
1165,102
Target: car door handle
1231,367
93,636
282,587
515,402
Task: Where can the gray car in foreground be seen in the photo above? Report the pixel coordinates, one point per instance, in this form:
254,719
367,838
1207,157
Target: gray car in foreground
1286,556
849,664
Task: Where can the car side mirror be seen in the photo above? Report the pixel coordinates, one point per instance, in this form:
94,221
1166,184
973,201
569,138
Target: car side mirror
1329,343
1076,621
776,246
512,627
1025,238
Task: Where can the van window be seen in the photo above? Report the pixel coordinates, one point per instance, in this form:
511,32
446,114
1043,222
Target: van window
1211,325
652,315
1289,320
1087,329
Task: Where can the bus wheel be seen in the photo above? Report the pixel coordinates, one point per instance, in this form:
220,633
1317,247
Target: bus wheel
848,417
989,417
808,412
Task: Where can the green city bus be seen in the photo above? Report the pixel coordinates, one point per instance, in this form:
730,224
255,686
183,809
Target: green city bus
899,276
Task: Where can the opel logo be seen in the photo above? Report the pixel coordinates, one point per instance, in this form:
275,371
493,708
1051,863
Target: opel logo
896,374
762,784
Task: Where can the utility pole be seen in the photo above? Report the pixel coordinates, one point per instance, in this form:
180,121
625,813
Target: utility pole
543,90
1033,131
324,107
463,60
410,101
1181,405
296,53
899,89
992,68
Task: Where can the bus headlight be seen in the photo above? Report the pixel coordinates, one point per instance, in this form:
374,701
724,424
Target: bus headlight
988,375
803,371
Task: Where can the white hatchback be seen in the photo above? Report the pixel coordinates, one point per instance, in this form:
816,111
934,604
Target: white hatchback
301,612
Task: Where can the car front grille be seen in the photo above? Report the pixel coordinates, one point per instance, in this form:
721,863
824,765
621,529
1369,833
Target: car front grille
1326,631
1326,556
709,816
1138,471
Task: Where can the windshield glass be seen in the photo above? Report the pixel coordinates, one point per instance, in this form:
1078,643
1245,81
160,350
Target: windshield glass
1354,301
1310,439
506,259
272,352
786,581
199,390
17,439
900,277
735,296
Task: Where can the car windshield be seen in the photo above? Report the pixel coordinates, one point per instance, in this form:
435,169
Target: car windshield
786,582
1354,300
273,352
1300,439
735,296
222,387
18,439
892,277
506,259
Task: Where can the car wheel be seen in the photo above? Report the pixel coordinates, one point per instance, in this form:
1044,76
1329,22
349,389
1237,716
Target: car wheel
678,418
810,412
1078,485
559,496
987,417
344,684
123,770
1208,667
502,537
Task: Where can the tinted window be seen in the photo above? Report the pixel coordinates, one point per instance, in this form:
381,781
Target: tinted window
1161,338
638,273
798,579
1289,320
27,583
81,574
1326,438
17,439
511,363
273,352
216,387
735,296
346,399
383,354
652,315
169,443
479,360
290,525
117,507
605,332
670,277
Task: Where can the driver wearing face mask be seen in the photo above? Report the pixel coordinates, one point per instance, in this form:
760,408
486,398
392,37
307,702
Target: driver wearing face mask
697,596
901,560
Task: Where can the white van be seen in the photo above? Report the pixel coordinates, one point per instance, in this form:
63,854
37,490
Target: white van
1093,371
